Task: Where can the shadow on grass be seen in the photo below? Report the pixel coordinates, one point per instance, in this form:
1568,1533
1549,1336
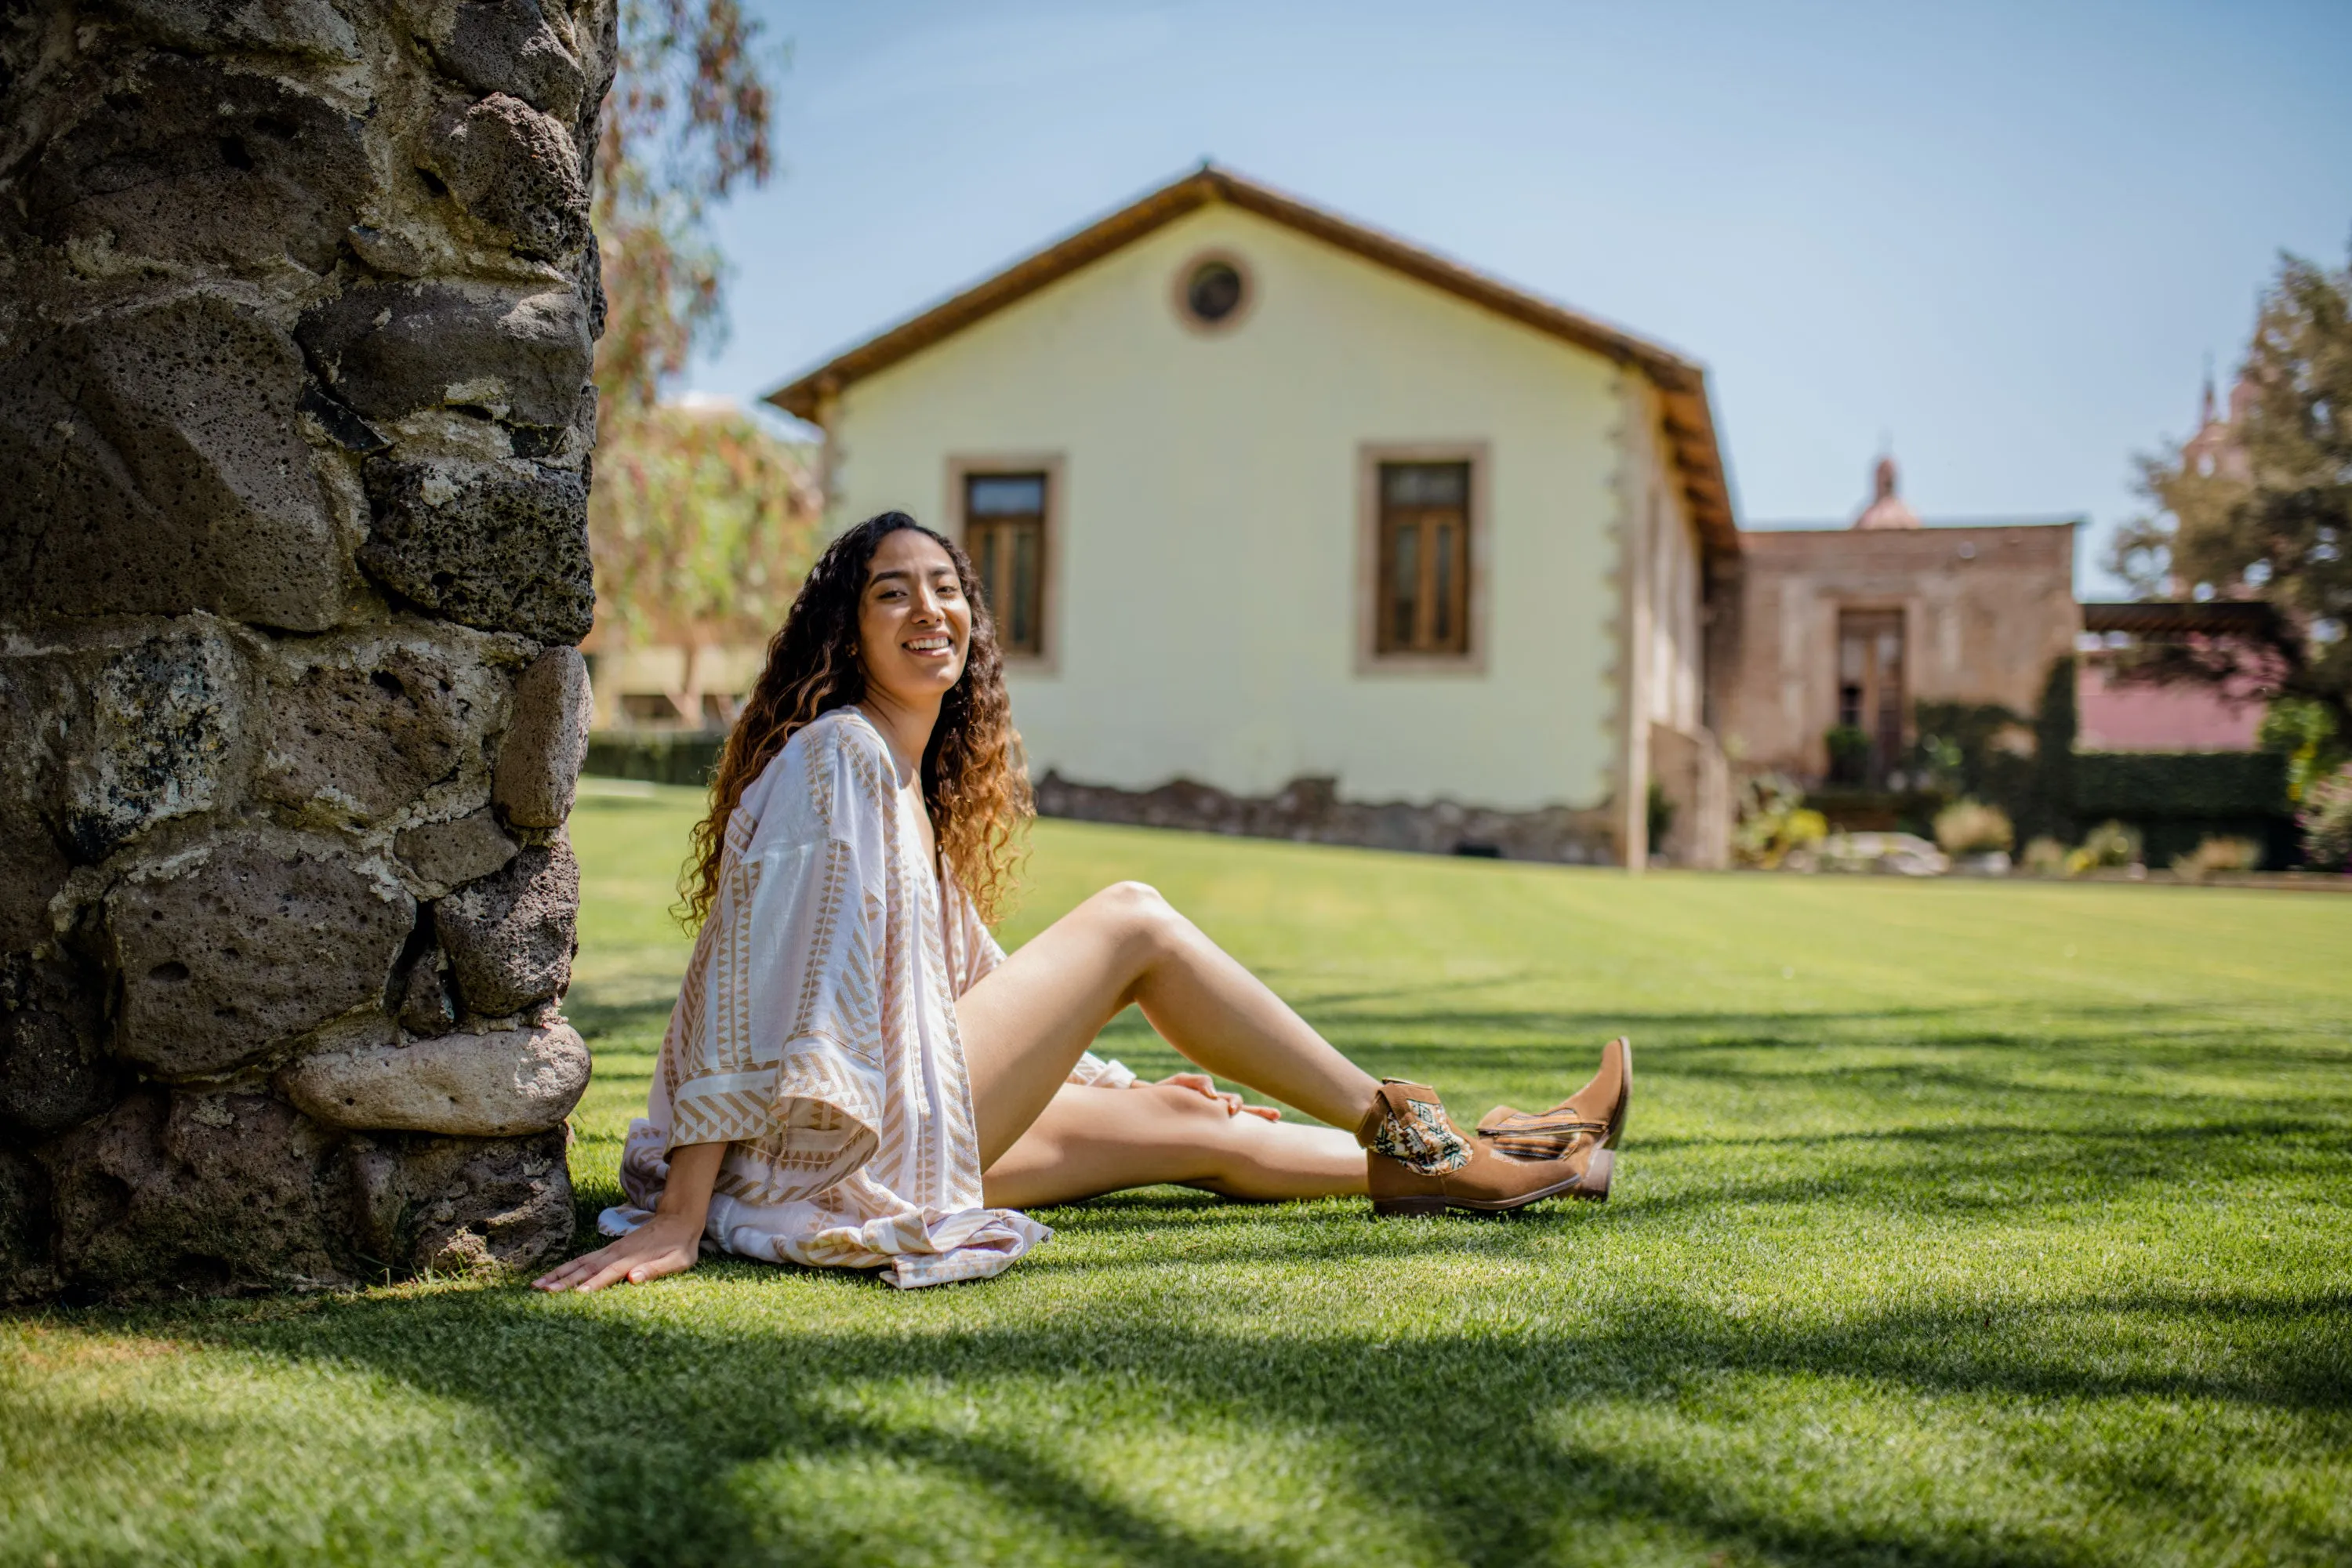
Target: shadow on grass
642,1431
654,1433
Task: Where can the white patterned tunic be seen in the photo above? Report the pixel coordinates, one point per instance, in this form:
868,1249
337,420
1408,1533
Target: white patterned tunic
815,1035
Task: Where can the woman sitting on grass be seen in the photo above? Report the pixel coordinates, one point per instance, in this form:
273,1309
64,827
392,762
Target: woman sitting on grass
857,1075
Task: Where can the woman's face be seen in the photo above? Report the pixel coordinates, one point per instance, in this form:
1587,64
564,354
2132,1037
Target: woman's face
914,625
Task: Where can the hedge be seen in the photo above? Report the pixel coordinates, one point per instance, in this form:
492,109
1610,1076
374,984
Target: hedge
657,756
2178,798
2131,784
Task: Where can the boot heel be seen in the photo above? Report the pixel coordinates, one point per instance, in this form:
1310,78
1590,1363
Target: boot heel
1593,1185
1407,1207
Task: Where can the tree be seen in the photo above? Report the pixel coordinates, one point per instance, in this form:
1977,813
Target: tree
701,522
703,525
2047,809
2274,521
685,123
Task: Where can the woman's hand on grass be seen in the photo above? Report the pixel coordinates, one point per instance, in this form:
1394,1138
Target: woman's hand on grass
1201,1083
665,1244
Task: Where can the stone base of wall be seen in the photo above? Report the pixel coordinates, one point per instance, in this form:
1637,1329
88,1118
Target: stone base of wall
1310,811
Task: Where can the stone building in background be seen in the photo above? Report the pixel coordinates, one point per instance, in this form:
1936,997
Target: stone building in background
1827,627
295,417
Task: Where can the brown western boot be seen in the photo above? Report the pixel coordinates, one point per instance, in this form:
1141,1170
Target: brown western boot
1418,1161
1599,1105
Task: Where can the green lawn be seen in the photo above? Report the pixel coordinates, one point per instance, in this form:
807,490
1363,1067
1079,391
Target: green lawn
1955,1223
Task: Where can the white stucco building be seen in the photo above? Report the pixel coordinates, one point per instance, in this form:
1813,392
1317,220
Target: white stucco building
1356,543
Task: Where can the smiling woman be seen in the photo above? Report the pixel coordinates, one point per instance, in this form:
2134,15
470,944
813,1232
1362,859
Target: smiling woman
856,1074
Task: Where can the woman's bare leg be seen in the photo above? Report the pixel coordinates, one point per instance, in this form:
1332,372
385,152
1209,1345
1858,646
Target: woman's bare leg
1028,1021
1094,1141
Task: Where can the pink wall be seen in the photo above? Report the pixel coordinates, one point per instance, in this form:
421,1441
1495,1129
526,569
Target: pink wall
2135,718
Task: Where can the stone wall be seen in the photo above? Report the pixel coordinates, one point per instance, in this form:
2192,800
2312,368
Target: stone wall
297,304
1310,811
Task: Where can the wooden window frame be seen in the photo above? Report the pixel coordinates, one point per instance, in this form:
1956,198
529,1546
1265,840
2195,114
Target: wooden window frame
1370,456
966,466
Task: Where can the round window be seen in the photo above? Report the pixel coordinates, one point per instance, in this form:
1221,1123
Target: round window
1213,293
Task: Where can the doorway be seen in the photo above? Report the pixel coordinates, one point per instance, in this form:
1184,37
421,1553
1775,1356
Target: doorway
1869,697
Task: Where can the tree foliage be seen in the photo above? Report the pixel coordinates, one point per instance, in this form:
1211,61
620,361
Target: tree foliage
685,124
701,520
703,525
2275,521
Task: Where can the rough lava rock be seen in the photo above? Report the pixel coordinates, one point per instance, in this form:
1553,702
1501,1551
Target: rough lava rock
547,741
499,1084
441,855
509,937
389,350
280,27
505,46
198,1190
253,942
425,1005
157,738
361,726
497,1207
111,736
158,467
191,162
33,868
516,170
28,1271
54,1066
500,546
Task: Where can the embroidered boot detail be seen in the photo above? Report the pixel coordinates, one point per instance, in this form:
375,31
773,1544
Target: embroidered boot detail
1420,1139
1553,1135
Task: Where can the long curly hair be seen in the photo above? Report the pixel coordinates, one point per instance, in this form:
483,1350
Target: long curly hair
975,784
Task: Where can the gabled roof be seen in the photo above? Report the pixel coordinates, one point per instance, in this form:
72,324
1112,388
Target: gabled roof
1681,382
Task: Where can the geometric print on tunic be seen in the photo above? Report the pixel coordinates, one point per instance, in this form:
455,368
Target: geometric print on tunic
814,1035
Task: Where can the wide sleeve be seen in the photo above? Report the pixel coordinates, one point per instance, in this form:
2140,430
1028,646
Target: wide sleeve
787,1046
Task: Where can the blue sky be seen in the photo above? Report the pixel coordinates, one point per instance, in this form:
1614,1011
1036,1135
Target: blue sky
2005,236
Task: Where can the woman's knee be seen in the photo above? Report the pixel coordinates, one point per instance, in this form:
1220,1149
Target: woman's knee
1139,917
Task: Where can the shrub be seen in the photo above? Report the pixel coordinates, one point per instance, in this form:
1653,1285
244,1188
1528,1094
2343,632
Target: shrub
2048,805
1849,751
1972,827
1974,751
1661,815
1773,822
659,756
2045,857
2108,844
2302,732
2217,854
2326,822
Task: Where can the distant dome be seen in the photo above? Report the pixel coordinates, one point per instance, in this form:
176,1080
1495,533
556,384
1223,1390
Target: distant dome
1886,510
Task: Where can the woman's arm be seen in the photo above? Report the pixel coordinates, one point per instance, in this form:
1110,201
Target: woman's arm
666,1243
